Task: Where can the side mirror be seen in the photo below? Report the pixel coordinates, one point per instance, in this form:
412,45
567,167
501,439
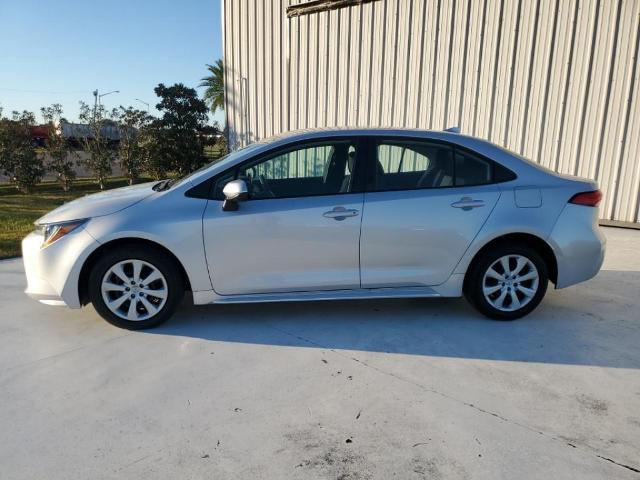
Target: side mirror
235,191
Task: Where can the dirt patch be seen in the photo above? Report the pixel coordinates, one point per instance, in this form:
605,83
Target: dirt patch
330,454
426,468
336,462
325,454
593,405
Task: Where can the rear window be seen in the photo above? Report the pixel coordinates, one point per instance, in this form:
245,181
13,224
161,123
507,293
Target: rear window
525,159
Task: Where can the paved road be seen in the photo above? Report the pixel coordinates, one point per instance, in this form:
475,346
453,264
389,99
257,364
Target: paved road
350,390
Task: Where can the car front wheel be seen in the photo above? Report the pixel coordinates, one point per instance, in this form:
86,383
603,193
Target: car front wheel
507,282
135,287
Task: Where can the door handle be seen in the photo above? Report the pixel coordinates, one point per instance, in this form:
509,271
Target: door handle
468,203
340,213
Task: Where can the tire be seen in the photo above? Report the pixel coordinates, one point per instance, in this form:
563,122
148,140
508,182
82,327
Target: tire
155,302
529,285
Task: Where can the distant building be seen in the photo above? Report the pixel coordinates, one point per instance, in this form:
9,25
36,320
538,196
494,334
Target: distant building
554,80
39,133
76,133
82,131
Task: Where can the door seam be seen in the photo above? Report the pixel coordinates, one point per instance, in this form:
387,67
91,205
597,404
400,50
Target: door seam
360,242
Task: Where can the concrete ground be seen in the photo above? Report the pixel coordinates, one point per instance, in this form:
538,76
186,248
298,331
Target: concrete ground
342,390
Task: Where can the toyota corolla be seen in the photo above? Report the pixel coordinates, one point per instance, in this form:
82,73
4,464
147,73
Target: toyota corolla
324,215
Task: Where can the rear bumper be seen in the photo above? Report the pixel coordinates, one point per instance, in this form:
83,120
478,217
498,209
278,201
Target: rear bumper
53,273
578,244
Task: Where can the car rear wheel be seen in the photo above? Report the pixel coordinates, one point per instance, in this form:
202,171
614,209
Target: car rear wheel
507,282
135,288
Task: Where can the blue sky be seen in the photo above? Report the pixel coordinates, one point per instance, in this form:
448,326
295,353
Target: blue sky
59,51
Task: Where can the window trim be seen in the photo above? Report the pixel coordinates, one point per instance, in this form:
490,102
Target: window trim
357,186
372,156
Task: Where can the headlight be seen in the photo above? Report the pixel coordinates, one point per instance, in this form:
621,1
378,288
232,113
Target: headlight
55,231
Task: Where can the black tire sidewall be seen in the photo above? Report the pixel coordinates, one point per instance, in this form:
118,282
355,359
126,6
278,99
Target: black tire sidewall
474,286
150,255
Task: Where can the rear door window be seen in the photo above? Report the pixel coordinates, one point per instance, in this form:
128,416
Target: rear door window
406,165
416,164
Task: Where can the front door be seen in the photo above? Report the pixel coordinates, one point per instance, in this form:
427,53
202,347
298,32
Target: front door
425,204
300,228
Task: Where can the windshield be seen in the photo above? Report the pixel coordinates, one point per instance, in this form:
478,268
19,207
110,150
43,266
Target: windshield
227,159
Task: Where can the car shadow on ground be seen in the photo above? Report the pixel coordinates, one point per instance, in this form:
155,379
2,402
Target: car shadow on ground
589,324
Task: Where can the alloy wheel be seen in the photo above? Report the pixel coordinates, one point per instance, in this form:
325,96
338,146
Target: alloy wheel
134,290
510,283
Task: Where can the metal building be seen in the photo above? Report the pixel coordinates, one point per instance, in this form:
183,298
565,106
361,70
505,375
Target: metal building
554,80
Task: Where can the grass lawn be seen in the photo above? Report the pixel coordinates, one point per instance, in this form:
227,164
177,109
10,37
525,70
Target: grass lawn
18,211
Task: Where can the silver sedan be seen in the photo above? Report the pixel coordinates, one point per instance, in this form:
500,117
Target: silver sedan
324,215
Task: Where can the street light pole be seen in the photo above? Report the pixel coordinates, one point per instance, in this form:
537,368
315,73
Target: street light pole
104,94
142,101
95,102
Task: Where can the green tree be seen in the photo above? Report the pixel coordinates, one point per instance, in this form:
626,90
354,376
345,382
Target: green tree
155,151
178,144
214,86
131,122
18,157
95,140
59,154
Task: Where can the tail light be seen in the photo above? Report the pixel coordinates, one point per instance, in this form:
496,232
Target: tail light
588,199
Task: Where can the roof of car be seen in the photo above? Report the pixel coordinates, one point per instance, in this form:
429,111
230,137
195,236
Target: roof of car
453,137
530,170
448,136
312,132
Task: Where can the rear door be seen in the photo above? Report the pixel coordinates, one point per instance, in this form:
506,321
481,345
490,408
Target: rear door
425,203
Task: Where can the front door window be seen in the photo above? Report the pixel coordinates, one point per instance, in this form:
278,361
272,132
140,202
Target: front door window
317,169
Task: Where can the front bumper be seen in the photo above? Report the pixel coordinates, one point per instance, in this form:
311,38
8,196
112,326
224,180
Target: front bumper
53,272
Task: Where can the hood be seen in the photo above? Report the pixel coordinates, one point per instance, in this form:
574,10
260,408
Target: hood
99,204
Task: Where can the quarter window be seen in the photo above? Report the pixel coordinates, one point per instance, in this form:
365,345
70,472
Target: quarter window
471,170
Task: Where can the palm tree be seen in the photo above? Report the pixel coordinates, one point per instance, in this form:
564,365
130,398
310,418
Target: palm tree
214,83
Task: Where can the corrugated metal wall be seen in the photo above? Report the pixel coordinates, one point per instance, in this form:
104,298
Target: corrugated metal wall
555,80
